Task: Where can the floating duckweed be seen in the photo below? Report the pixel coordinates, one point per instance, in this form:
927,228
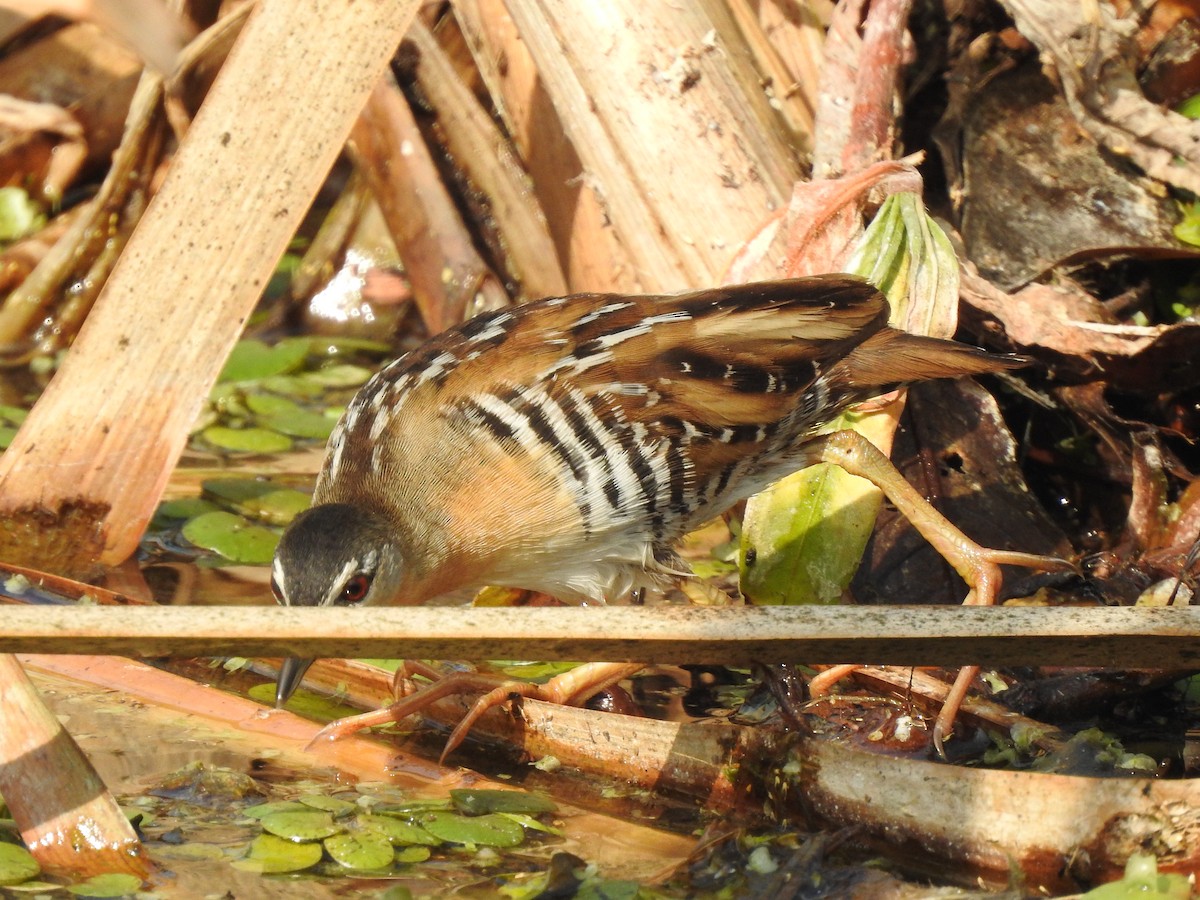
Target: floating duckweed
253,360
275,806
108,885
246,440
237,490
184,508
232,537
335,806
337,346
342,375
292,386
277,507
305,825
272,855
529,822
413,854
474,802
363,849
485,831
399,831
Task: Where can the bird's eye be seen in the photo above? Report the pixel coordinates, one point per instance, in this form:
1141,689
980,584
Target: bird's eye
355,590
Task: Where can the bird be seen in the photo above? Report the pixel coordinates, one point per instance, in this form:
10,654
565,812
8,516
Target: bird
566,444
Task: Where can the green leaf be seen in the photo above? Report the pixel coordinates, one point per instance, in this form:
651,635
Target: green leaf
341,375
292,386
485,831
477,801
272,405
1190,107
184,508
413,854
1188,229
252,360
13,415
301,424
237,490
19,214
399,831
271,855
335,806
360,850
301,825
17,864
246,440
277,507
108,885
232,537
337,346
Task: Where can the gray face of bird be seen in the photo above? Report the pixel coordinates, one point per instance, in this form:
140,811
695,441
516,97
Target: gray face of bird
335,555
331,555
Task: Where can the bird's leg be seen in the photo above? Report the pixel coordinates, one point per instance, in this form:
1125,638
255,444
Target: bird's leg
571,688
978,566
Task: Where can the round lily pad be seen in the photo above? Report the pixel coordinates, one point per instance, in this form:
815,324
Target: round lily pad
184,508
116,884
399,831
292,386
277,507
413,854
476,802
13,415
529,822
237,490
342,375
272,405
487,831
270,854
232,537
17,864
335,806
360,849
334,346
265,809
302,825
252,360
300,424
246,440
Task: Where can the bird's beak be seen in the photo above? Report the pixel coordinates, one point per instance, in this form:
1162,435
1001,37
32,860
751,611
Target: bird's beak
290,674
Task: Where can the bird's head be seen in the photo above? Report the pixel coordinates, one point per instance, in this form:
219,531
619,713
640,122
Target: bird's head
334,554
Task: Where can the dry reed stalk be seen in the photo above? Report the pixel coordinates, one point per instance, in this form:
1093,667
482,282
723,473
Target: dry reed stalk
674,134
1118,637
787,39
490,163
591,252
67,818
88,466
450,281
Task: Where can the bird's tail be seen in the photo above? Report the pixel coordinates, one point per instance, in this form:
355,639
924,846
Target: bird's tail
891,357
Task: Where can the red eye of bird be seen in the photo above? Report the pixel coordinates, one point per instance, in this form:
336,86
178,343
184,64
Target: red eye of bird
355,590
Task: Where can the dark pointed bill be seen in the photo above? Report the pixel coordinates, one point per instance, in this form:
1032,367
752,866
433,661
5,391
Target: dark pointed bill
291,673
